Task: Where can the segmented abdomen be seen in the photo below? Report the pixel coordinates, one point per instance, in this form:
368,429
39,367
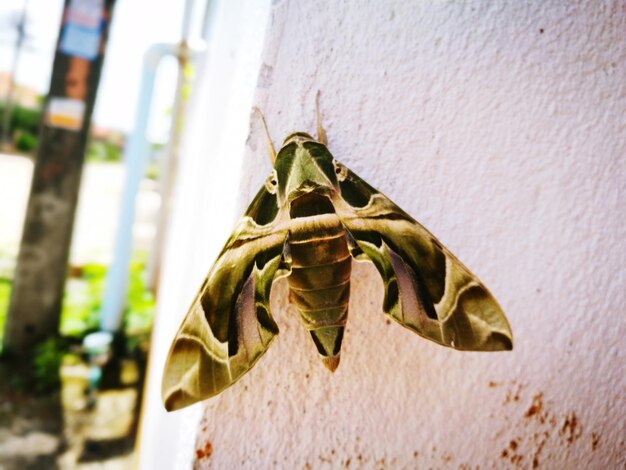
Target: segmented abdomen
320,279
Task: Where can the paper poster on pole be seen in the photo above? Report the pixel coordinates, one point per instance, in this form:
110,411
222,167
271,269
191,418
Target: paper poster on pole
82,31
85,13
65,113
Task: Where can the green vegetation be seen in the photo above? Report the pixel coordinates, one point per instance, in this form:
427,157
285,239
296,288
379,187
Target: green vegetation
5,292
26,119
46,364
24,126
83,299
81,315
25,142
102,151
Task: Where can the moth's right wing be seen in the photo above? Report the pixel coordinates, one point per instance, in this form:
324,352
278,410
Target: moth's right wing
427,289
229,325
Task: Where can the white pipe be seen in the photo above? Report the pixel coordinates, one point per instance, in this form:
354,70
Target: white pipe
135,158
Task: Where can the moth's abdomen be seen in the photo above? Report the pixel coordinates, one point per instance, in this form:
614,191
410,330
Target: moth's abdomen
320,280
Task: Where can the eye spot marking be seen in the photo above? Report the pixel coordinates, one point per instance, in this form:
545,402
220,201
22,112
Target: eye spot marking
271,183
340,170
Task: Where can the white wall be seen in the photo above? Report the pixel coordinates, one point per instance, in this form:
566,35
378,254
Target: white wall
204,209
501,127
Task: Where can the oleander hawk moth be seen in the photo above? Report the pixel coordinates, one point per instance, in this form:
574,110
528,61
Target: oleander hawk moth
308,221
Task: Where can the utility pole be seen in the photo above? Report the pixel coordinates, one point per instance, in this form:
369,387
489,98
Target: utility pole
36,297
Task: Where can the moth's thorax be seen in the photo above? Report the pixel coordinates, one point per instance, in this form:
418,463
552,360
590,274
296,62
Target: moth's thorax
309,201
303,165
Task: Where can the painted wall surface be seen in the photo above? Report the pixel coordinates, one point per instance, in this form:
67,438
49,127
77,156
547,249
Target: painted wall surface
501,127
204,209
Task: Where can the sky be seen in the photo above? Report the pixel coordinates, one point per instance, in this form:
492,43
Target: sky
137,24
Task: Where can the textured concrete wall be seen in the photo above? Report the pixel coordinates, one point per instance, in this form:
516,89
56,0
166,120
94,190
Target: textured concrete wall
501,127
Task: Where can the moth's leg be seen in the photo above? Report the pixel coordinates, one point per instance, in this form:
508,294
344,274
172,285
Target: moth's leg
355,249
270,146
321,133
285,260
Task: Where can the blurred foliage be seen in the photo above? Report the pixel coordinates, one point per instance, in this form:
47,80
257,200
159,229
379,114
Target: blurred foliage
47,359
5,293
83,296
24,127
26,119
80,316
140,307
25,141
83,299
155,165
25,130
84,292
37,372
102,151
152,171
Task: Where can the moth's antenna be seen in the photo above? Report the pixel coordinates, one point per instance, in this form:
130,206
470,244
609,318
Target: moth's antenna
270,145
321,133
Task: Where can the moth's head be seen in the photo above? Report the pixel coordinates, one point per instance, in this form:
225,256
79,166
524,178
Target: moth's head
297,137
303,165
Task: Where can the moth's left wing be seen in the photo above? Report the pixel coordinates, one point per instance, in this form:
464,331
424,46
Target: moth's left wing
229,325
427,289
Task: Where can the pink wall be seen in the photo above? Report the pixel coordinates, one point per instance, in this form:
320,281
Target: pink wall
501,127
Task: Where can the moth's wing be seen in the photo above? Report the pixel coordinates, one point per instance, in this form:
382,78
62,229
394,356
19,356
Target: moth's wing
229,325
427,289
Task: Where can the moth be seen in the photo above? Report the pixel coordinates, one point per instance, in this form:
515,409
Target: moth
308,221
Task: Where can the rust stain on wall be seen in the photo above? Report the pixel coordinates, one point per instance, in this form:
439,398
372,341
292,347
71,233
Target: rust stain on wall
536,408
205,451
510,454
536,426
595,440
571,429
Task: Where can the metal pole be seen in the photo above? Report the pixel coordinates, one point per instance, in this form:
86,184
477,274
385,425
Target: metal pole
169,165
135,157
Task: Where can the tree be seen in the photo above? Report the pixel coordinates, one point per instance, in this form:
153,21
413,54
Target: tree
36,297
